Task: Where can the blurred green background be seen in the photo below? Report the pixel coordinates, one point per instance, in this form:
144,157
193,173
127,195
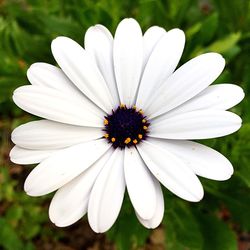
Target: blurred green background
221,221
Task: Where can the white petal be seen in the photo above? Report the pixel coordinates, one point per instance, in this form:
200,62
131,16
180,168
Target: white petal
58,106
201,124
63,166
47,75
46,134
185,83
82,70
70,202
161,64
99,43
128,58
219,97
140,184
26,156
107,194
204,161
159,211
171,171
150,39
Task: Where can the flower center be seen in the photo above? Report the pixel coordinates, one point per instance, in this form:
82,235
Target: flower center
125,127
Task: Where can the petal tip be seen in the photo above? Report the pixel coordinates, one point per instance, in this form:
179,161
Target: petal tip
95,228
177,30
33,193
224,177
91,29
215,57
220,59
228,177
58,224
27,189
14,157
51,215
129,21
11,155
238,120
199,197
29,193
242,94
58,41
17,90
13,137
14,97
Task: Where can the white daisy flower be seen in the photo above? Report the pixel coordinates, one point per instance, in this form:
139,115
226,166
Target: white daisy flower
118,115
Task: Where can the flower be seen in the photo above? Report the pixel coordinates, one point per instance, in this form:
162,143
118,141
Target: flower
118,115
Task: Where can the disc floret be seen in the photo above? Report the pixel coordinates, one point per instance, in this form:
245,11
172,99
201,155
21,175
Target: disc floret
125,126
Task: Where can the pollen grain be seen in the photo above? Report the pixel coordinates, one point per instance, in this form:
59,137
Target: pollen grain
140,136
135,141
128,140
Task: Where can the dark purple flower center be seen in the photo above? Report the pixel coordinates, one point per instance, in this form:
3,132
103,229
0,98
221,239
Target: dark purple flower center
125,127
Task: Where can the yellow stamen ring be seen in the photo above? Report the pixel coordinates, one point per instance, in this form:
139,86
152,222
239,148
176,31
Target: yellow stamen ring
106,122
123,122
135,141
128,140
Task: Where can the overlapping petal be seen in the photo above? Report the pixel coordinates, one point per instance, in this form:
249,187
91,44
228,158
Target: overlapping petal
62,166
171,171
156,219
47,75
70,202
185,83
204,161
216,97
107,194
128,59
201,124
20,155
150,39
161,64
82,70
142,193
44,135
99,43
58,106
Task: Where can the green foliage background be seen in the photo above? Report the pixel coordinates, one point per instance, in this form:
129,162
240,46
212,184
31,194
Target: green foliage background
26,30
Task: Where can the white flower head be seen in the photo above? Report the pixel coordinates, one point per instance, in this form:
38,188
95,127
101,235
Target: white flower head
118,114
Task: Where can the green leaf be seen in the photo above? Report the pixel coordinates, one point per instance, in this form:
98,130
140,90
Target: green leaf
223,45
9,239
217,235
127,232
238,206
14,213
241,153
182,229
194,29
208,28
